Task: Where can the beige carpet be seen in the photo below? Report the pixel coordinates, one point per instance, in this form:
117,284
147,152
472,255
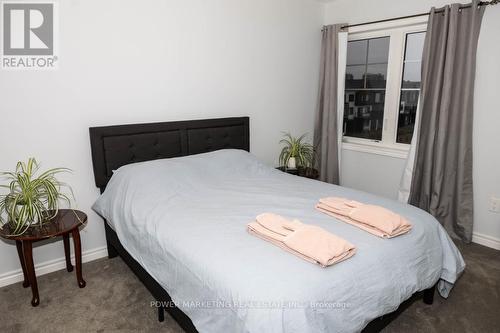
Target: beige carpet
115,300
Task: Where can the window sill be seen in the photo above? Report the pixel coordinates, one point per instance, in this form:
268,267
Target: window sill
378,149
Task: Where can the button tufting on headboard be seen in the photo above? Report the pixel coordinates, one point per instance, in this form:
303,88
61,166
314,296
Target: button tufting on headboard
141,147
208,139
115,146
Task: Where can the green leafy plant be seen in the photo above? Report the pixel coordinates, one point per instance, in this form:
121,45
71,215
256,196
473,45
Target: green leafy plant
30,199
302,151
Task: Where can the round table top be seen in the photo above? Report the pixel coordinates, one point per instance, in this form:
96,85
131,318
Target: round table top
65,221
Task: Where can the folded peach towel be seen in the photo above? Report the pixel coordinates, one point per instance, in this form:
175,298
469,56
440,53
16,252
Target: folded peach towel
374,219
308,242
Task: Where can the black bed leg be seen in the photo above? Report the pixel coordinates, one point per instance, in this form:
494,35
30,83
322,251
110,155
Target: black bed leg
161,314
429,295
111,251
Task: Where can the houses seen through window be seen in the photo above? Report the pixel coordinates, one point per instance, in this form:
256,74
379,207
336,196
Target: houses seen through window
365,85
410,86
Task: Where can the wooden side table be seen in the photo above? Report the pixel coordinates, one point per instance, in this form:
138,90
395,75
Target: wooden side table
66,222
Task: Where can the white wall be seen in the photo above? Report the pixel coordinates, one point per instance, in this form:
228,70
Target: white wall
143,61
357,172
380,174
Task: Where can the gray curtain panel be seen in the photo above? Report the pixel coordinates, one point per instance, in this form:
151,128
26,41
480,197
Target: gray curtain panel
442,179
325,128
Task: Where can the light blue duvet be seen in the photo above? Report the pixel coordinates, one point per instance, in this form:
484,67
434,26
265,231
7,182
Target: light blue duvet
184,220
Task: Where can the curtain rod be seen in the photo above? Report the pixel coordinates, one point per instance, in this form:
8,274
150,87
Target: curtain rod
481,3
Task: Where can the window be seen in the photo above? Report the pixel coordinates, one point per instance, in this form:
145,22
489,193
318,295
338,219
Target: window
365,81
410,86
382,87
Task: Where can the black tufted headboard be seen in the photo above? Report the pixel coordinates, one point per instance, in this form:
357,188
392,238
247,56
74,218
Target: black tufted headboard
115,146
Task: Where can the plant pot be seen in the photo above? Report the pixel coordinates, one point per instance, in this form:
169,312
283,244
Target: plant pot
26,223
292,163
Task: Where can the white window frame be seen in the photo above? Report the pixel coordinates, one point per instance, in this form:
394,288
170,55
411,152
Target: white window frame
397,31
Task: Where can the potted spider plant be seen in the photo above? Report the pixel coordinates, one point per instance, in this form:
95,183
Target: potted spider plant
296,152
30,199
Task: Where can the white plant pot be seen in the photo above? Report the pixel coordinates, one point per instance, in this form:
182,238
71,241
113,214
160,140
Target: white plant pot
292,163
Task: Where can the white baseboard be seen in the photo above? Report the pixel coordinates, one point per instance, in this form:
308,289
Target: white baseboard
51,266
486,240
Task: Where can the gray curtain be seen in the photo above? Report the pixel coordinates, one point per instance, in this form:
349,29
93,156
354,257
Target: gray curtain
442,179
325,128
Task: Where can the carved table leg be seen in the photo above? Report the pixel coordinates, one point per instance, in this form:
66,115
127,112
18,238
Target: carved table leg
30,269
67,253
78,257
19,246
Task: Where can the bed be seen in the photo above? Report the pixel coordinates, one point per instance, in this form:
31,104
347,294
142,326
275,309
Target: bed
176,198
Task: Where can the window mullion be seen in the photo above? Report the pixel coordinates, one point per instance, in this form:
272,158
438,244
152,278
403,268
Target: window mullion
394,70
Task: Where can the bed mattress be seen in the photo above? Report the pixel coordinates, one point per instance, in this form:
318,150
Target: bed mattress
184,220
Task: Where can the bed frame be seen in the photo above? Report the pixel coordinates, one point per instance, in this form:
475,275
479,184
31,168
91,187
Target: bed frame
115,146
